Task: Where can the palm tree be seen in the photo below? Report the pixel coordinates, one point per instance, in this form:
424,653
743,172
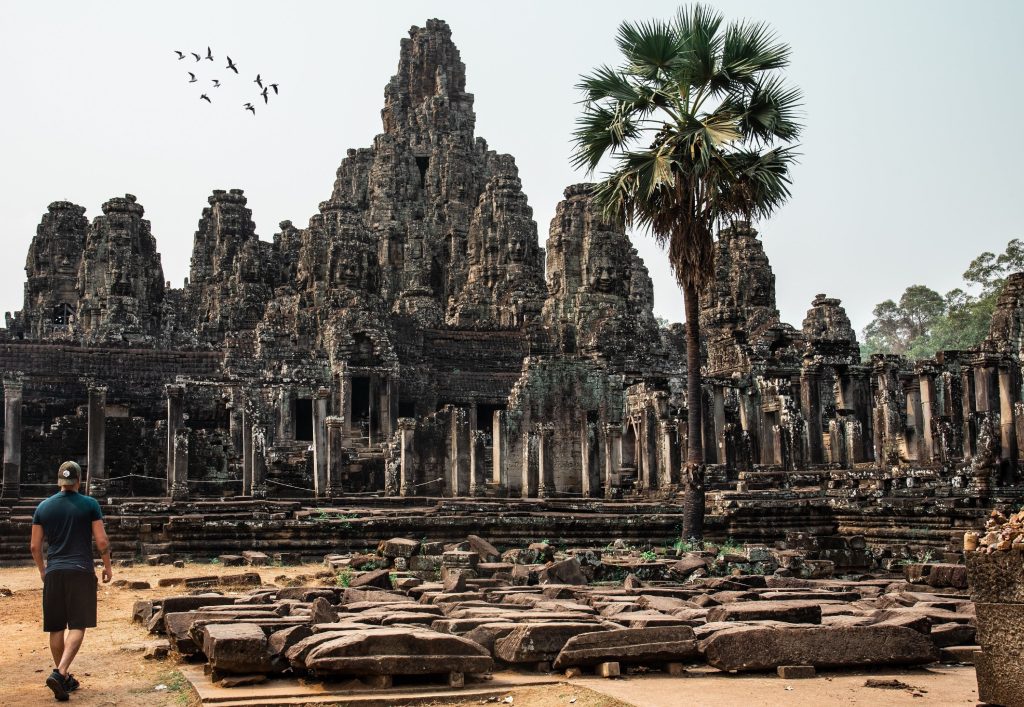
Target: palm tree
700,129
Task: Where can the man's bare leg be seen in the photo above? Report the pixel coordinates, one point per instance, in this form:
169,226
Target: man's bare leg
71,645
57,646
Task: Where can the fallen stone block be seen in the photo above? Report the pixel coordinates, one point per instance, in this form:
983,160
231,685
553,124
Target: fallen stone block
379,579
397,652
797,612
231,560
486,551
533,643
795,672
236,648
608,670
630,645
951,634
398,547
766,648
564,572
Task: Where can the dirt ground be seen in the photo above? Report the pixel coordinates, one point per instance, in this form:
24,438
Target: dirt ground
114,673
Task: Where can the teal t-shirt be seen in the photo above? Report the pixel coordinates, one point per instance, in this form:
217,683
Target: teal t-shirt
67,518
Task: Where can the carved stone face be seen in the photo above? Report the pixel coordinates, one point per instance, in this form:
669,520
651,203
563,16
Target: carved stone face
605,273
555,283
517,248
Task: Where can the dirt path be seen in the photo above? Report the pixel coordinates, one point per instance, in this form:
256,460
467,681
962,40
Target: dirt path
114,673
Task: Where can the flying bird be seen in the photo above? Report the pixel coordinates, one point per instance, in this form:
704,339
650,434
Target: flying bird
181,55
231,65
249,106
193,79
258,81
195,55
264,94
216,83
206,98
274,86
209,54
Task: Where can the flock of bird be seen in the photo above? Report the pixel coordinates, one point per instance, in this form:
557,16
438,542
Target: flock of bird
264,89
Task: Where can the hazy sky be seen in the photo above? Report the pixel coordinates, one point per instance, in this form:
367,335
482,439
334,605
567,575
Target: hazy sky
911,158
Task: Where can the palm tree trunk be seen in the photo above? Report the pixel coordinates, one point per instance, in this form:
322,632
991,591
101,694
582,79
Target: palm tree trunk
693,469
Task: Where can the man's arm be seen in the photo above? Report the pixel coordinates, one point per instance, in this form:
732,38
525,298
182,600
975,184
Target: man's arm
99,534
36,546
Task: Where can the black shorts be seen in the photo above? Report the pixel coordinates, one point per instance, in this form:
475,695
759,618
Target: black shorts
69,600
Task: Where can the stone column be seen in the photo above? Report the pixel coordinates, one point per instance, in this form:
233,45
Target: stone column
810,406
386,429
926,383
665,429
178,490
718,417
586,482
499,452
235,426
320,441
915,413
12,439
97,448
477,473
246,450
1007,424
612,457
372,430
528,488
285,413
259,460
335,455
407,485
175,400
545,466
345,400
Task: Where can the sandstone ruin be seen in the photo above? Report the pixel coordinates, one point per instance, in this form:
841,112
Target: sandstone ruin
414,342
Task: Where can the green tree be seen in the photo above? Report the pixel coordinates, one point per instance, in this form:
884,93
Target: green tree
897,328
923,322
700,128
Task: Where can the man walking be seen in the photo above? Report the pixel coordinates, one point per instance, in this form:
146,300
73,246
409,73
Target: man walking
69,521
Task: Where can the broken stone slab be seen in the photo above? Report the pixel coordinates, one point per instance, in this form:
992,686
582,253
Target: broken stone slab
256,558
397,652
797,612
463,559
379,579
533,643
351,596
564,572
648,619
236,648
486,551
322,612
936,616
767,647
523,574
308,594
142,611
279,642
951,634
454,582
687,565
630,645
398,547
937,574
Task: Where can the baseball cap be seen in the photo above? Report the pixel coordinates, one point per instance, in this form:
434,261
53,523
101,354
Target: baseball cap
68,474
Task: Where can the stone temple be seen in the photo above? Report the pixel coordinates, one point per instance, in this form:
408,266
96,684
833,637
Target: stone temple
416,351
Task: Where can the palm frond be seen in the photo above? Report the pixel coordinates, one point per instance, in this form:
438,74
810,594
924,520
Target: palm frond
770,111
651,48
751,48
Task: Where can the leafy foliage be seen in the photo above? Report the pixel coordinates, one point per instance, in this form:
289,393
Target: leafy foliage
698,123
924,322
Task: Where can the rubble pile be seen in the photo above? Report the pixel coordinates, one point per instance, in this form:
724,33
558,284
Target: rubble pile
1001,533
421,608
